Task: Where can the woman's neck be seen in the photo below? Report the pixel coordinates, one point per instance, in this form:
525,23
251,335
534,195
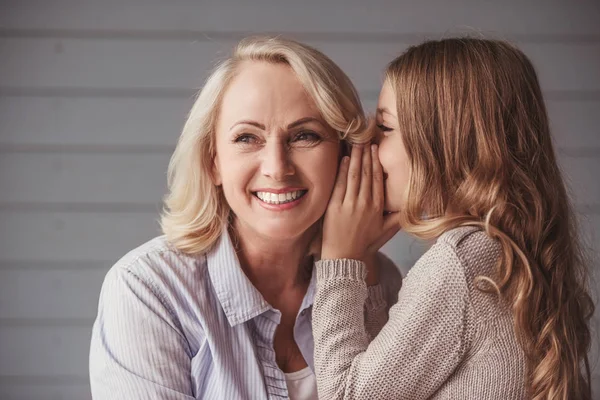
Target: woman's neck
277,268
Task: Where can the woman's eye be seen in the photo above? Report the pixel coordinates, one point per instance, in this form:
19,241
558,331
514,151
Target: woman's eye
307,137
246,138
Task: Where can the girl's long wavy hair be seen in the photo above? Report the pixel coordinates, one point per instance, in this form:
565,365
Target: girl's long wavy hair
476,131
195,209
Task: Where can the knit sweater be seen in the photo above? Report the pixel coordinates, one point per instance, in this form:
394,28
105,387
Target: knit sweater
445,339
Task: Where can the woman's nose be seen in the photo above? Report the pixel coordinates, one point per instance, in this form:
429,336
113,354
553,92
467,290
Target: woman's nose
276,162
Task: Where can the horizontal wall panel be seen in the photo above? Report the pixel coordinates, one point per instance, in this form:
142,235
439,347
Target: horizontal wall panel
53,351
404,250
120,64
590,228
72,236
147,122
33,390
575,123
92,121
46,294
382,16
108,63
580,174
83,178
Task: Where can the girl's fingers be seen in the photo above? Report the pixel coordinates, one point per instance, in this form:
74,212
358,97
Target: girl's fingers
354,174
366,184
339,189
378,193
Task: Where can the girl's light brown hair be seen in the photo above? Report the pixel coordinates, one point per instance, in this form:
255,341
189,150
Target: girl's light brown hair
195,210
476,131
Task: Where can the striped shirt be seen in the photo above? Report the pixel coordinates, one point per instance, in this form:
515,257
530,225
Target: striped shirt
176,326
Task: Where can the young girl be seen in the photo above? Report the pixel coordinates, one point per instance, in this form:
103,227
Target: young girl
498,308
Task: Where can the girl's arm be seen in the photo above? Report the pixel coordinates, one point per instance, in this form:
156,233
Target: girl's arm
424,340
428,329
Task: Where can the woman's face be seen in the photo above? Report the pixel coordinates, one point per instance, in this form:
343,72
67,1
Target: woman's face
276,158
392,153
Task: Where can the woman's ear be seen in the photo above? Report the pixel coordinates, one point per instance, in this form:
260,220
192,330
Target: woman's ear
215,174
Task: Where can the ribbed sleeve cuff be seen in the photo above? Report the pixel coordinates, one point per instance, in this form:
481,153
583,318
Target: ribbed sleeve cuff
376,297
341,268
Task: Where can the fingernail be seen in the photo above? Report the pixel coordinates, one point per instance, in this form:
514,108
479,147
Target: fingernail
345,159
374,147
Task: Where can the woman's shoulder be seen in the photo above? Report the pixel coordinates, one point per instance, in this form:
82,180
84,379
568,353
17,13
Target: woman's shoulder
159,255
160,268
156,246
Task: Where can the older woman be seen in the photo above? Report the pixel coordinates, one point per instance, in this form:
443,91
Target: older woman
220,306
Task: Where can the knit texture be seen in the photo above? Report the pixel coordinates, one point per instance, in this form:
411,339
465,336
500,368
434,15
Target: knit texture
445,339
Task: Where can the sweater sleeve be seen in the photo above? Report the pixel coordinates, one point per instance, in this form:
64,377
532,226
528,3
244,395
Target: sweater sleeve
424,340
376,310
382,296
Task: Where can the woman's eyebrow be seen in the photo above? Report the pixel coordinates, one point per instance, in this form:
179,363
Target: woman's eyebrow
290,126
303,121
248,122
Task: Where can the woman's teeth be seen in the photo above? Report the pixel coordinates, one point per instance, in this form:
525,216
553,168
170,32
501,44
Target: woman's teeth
280,198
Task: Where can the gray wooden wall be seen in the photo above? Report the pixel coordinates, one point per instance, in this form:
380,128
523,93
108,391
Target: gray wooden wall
92,98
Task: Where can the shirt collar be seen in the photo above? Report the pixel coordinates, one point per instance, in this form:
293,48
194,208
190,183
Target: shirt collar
309,297
240,300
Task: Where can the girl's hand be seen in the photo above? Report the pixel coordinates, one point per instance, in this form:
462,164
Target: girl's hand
355,226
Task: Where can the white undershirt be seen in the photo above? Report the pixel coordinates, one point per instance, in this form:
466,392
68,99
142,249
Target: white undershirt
302,385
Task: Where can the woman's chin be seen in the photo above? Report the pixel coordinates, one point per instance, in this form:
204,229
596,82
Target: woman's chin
282,231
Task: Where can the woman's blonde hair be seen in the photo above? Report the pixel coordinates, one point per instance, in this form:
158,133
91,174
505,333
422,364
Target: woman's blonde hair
195,209
476,131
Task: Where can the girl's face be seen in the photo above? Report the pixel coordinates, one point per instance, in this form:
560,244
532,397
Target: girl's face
392,153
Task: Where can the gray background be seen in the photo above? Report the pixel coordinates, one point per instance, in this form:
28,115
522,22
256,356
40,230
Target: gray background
92,98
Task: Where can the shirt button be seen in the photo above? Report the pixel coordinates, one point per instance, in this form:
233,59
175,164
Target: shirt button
303,312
